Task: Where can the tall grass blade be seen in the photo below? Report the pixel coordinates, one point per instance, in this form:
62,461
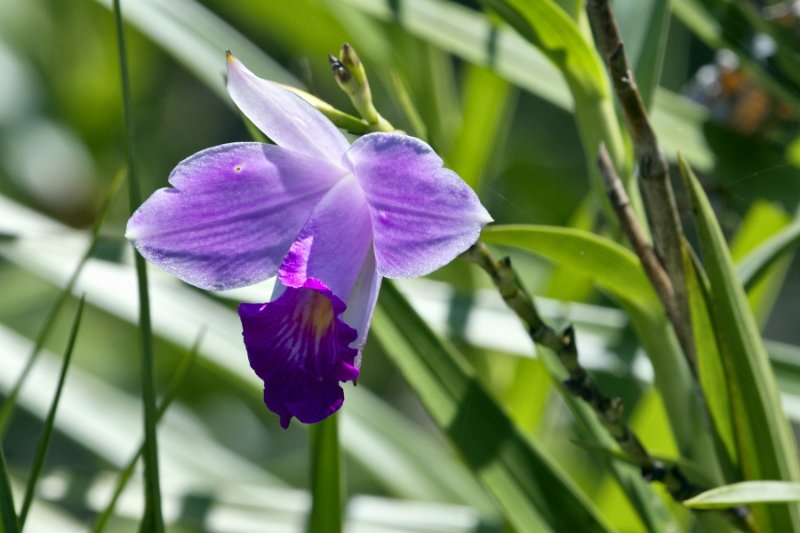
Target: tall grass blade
756,263
326,480
47,431
169,396
152,520
746,493
765,443
7,409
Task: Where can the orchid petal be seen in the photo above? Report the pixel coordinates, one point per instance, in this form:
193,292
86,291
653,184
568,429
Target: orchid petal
362,300
334,241
301,349
283,116
232,214
423,215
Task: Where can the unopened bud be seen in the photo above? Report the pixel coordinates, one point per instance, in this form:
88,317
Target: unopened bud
351,77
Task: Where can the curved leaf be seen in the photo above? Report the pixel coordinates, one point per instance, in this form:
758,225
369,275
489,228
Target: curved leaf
614,268
746,493
756,263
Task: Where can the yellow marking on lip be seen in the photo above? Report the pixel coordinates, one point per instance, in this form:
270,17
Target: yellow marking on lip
317,313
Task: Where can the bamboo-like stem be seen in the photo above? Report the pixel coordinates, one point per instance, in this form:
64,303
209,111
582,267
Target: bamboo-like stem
579,383
653,168
653,267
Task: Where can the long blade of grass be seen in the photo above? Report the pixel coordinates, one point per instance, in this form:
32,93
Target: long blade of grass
710,368
326,480
533,492
47,430
152,521
11,400
746,493
767,449
169,396
8,514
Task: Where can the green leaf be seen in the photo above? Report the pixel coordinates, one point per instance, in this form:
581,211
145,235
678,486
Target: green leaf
614,268
47,430
752,266
326,482
762,221
532,491
765,443
710,368
746,493
8,515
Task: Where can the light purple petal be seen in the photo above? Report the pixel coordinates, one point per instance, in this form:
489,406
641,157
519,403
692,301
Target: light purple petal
301,349
232,214
283,116
423,215
361,302
332,245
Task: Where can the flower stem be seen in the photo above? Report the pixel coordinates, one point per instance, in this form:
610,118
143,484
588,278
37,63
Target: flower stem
326,481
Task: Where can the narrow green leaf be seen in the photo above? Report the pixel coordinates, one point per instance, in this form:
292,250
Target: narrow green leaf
8,514
47,430
762,221
746,493
532,491
614,268
169,396
152,521
756,263
710,367
765,443
326,481
11,400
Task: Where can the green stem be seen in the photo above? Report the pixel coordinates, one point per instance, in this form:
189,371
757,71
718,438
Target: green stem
326,481
152,521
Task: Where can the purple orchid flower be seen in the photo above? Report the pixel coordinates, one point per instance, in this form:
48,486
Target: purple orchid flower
329,218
